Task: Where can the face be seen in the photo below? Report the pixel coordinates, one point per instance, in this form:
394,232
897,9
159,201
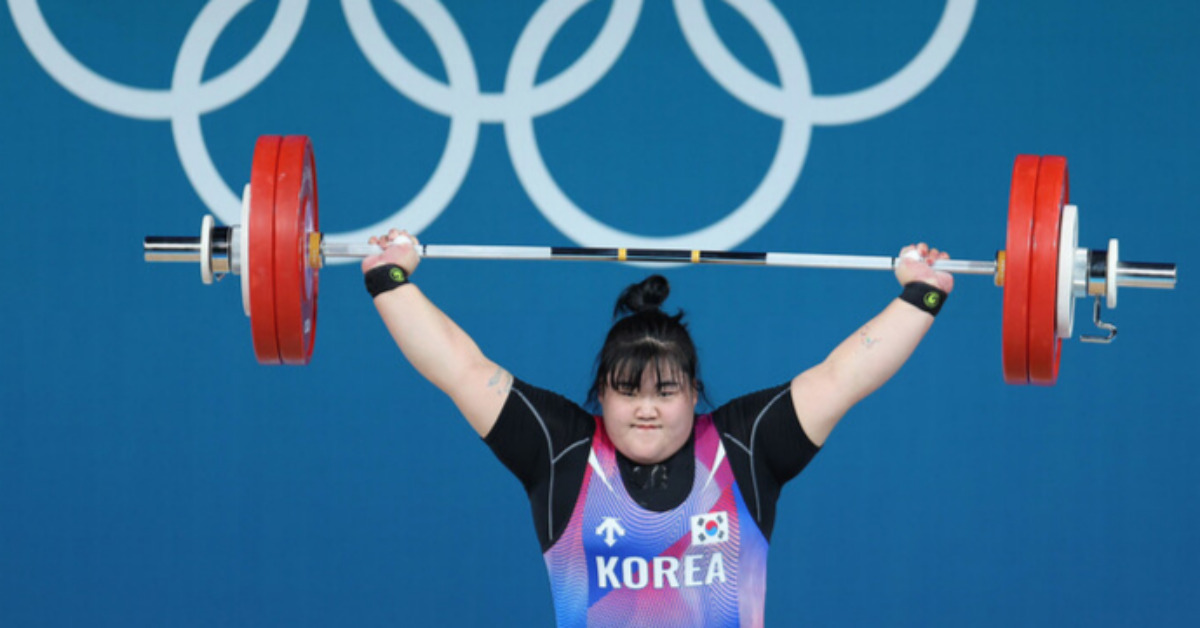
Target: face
653,421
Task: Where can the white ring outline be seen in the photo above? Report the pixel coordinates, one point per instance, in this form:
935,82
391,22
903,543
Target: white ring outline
160,104
462,96
187,79
451,170
727,232
911,80
828,110
189,95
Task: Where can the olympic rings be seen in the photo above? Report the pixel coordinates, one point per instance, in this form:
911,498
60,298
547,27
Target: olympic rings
523,99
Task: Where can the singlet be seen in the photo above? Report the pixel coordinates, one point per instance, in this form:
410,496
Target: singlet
702,563
662,568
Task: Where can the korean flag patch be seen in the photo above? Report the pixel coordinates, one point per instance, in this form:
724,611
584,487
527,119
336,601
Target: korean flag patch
710,528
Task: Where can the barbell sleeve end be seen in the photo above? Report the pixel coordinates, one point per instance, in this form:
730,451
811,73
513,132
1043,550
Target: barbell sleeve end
1157,275
171,249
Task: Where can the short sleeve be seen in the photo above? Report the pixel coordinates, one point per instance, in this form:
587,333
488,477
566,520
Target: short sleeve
543,438
767,447
533,424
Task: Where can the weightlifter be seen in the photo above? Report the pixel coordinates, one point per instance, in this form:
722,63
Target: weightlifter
648,513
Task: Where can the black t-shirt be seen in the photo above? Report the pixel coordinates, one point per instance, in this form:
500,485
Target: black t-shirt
544,439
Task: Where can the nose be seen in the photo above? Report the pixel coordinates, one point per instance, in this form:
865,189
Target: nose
646,409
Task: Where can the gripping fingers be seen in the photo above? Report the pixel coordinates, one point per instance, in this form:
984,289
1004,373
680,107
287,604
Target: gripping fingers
396,238
919,253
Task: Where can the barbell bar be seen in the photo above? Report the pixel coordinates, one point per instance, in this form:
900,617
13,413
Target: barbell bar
278,251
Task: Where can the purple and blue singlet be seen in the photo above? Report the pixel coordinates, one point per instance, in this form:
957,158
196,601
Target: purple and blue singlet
702,563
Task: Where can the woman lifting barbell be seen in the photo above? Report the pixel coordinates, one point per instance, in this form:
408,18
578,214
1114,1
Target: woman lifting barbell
649,514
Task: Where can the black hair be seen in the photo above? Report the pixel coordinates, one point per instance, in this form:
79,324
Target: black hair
644,336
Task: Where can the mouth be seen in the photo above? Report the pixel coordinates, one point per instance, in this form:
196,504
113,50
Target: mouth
646,427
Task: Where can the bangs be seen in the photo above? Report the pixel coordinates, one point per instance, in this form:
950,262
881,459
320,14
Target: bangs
626,372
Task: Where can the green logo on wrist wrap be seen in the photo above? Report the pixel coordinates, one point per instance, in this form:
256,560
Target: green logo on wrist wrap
931,299
397,275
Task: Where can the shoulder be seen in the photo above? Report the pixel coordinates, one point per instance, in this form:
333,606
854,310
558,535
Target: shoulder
545,405
535,414
740,416
764,425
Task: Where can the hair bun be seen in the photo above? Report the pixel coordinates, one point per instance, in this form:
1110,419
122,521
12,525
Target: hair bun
644,296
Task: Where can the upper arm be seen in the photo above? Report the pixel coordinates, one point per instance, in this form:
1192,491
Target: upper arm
480,393
820,401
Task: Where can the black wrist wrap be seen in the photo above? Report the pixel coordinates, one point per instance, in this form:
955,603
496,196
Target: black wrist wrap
384,278
923,297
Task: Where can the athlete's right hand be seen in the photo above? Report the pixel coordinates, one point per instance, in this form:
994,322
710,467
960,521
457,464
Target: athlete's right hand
399,248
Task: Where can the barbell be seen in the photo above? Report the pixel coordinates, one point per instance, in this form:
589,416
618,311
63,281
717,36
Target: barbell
278,251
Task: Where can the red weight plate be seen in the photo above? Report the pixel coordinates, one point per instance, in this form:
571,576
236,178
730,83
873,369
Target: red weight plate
261,253
295,278
1044,344
1016,274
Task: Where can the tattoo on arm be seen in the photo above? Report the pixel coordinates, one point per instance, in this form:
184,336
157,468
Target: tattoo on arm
867,340
501,381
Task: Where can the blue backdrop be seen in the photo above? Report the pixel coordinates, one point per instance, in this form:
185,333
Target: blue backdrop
151,473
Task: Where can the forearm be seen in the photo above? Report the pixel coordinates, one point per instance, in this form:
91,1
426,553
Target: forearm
876,351
857,367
